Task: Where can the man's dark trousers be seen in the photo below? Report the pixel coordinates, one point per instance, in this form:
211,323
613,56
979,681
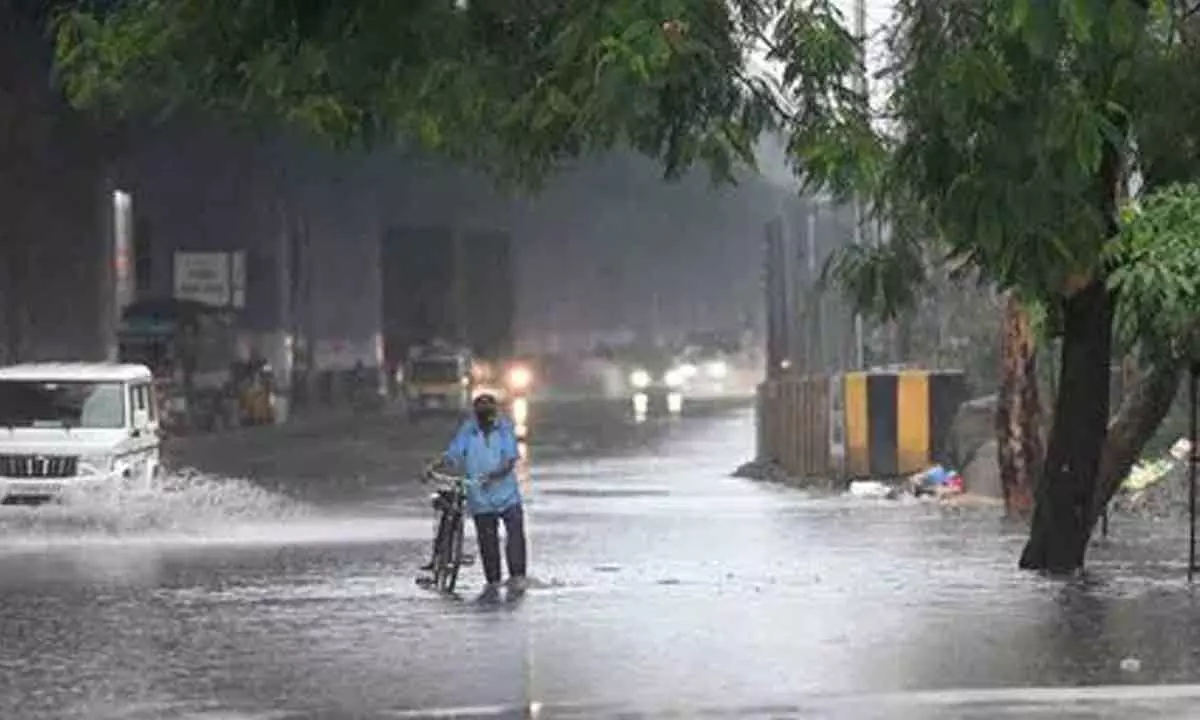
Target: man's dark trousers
487,528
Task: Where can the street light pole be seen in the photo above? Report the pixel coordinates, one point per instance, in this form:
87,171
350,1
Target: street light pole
860,31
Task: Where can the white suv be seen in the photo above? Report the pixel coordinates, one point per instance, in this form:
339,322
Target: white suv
67,424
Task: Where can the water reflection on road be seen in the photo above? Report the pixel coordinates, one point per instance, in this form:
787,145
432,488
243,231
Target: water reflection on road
664,583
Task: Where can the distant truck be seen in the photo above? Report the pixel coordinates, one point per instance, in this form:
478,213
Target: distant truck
458,289
437,380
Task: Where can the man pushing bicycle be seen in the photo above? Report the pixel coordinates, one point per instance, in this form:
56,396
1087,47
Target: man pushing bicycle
484,450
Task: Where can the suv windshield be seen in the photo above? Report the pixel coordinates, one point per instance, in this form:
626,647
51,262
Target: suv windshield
39,404
435,371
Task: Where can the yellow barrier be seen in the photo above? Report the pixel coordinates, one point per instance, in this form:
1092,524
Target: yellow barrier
898,423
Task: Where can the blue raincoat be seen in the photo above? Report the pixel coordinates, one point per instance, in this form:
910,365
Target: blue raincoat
477,455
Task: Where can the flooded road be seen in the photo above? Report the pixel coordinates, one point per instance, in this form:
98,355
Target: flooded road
663,585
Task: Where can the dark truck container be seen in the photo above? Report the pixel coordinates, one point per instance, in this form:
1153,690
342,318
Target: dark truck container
446,285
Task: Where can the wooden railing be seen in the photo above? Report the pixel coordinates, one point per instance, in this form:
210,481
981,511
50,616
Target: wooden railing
793,426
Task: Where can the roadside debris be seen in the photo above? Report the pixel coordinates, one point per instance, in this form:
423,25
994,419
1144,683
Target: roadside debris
874,489
1159,487
937,481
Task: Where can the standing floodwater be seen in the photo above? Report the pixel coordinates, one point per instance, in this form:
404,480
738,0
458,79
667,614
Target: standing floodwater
662,582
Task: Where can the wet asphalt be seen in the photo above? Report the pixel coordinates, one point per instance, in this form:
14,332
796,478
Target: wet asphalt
274,579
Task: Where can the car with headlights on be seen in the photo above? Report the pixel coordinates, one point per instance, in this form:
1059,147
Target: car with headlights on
716,364
655,375
75,425
705,372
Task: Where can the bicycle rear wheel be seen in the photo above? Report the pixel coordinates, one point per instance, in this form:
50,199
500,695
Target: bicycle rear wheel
441,539
451,554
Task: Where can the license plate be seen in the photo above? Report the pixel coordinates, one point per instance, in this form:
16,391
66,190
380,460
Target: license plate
434,402
32,488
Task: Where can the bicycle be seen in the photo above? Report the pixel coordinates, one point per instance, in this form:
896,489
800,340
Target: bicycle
448,557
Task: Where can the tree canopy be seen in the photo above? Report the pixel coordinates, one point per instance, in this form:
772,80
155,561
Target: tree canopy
1020,125
1012,117
517,87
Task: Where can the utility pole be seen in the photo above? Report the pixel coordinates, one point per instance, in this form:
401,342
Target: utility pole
815,340
778,296
860,31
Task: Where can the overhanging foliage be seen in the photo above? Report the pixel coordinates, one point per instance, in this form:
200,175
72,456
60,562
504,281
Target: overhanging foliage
1157,274
515,87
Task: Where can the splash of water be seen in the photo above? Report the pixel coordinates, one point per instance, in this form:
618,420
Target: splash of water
188,502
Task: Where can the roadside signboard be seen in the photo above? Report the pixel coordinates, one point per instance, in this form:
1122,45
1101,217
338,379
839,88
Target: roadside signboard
214,278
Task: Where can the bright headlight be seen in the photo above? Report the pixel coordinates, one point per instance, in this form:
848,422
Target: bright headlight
673,378
688,371
520,377
640,379
717,370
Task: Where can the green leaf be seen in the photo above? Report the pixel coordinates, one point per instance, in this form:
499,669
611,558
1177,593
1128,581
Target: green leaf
1088,143
1020,15
1158,264
1079,18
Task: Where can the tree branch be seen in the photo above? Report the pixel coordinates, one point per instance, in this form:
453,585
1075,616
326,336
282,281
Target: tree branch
1139,417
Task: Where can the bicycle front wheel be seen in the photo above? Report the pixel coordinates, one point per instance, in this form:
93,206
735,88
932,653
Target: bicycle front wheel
451,553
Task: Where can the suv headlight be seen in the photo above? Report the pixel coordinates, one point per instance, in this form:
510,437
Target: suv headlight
639,379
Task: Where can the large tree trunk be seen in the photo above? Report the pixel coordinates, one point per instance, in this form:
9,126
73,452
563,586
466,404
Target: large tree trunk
1139,417
1062,520
1018,411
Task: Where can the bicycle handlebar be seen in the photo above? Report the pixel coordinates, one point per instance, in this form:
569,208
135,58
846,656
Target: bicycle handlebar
431,475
